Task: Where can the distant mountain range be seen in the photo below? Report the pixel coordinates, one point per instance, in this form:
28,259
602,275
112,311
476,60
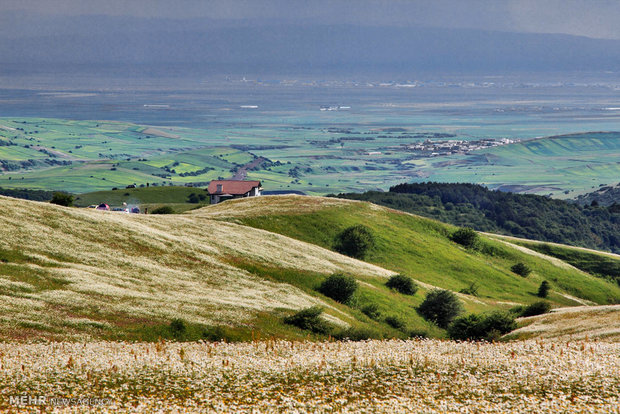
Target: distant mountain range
268,47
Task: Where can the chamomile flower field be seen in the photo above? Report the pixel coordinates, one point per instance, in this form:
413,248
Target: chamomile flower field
288,376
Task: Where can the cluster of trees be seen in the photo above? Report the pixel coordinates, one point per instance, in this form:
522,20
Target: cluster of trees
35,195
521,215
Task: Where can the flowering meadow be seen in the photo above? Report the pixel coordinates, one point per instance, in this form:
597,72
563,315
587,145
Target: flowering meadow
284,376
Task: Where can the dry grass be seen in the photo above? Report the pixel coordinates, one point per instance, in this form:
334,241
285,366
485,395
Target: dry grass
575,323
427,376
260,206
144,267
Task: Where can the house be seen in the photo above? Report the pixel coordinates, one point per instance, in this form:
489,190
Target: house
222,190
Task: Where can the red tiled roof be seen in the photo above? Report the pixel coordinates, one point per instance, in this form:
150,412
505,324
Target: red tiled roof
232,187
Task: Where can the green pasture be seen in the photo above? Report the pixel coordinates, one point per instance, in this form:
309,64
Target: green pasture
328,159
420,248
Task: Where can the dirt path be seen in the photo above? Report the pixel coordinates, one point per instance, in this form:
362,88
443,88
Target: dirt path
243,171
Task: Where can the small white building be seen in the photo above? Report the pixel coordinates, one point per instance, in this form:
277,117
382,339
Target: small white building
222,190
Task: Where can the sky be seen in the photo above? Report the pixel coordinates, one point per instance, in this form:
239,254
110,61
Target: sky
590,18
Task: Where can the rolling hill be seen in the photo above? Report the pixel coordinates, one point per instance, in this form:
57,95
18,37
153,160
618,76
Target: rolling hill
563,166
70,273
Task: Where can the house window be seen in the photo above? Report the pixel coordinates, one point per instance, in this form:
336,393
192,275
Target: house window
219,188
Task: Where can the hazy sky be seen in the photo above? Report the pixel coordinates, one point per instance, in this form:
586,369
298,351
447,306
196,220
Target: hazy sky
592,18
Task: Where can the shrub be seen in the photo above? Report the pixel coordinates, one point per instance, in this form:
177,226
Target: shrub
163,210
466,327
498,323
543,290
465,237
372,311
395,322
193,198
536,308
418,333
355,241
521,269
403,284
440,307
472,289
309,319
339,287
62,199
477,327
177,328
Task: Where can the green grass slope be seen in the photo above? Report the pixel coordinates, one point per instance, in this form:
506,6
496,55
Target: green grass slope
68,273
420,248
149,197
79,274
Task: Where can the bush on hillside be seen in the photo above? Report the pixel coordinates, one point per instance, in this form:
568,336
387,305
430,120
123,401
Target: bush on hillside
177,328
395,322
339,287
521,269
355,241
536,308
309,319
372,311
163,210
403,284
466,327
465,237
441,307
543,290
498,323
478,327
62,199
472,289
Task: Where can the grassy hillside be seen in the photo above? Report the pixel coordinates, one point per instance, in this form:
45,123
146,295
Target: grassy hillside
419,247
80,273
602,264
578,323
522,215
149,197
69,273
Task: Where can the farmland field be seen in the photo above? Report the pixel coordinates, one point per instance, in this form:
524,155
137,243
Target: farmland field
311,136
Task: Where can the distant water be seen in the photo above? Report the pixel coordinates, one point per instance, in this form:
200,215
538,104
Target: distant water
485,107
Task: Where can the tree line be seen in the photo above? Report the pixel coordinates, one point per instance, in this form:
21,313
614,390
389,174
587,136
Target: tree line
520,215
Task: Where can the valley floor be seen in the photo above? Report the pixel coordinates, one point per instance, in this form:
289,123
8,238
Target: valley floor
275,376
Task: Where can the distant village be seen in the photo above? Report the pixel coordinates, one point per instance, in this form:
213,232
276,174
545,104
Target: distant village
436,148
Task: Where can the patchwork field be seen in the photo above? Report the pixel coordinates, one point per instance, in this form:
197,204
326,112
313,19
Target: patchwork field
563,166
86,156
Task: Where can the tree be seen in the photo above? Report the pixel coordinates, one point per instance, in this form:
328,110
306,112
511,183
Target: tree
62,199
403,284
440,307
465,237
543,290
521,269
339,287
536,308
355,241
163,210
476,327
